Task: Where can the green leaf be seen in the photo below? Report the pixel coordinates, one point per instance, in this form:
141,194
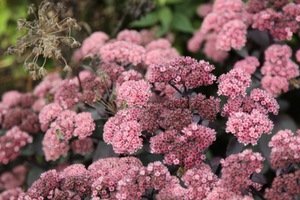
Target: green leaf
174,1
148,20
33,175
182,23
165,17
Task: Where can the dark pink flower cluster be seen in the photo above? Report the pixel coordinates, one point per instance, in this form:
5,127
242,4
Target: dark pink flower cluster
83,147
11,143
134,93
206,107
222,193
234,83
237,169
249,64
15,111
176,118
249,127
286,186
185,147
183,70
278,64
93,88
67,94
285,149
281,24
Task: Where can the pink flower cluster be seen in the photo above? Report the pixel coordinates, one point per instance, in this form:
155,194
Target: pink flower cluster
64,125
234,83
83,147
123,131
131,36
281,24
277,67
67,94
248,127
183,70
185,147
11,143
159,51
122,52
200,181
286,186
92,44
130,75
223,28
249,64
285,149
237,169
15,111
134,93
13,179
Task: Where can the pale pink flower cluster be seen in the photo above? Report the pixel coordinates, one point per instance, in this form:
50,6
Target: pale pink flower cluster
48,85
185,147
249,64
285,186
11,194
122,52
130,75
159,51
232,35
223,28
13,179
222,193
53,146
130,36
83,147
92,44
11,143
281,24
84,125
173,191
123,131
204,9
278,66
285,149
64,125
206,107
298,55
234,83
48,114
134,93
248,128
237,169
183,70
11,98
